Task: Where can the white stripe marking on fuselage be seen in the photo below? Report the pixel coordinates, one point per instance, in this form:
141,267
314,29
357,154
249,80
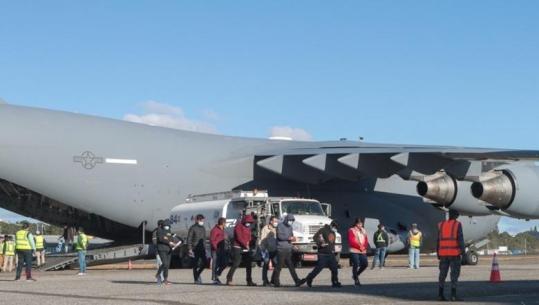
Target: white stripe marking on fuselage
121,161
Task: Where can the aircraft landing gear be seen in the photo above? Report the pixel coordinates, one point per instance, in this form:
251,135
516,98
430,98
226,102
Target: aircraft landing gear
470,258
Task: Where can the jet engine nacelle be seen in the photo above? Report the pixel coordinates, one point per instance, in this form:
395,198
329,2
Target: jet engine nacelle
448,192
512,189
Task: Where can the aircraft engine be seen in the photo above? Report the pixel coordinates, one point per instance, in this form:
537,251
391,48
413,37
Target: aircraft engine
448,192
512,189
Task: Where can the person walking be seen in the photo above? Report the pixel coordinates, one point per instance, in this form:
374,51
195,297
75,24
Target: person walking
25,248
219,250
285,238
81,246
9,255
325,241
196,238
450,248
241,250
165,244
40,249
415,240
358,242
381,241
158,261
268,247
3,240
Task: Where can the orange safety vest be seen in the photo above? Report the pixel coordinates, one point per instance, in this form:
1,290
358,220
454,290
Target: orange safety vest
448,238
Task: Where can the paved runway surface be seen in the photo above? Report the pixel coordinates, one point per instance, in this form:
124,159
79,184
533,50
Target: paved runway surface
393,285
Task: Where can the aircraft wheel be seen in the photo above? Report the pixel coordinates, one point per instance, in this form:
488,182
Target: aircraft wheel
471,258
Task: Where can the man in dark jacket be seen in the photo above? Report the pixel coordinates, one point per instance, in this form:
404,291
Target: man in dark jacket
285,238
164,250
325,241
218,242
197,249
381,240
240,250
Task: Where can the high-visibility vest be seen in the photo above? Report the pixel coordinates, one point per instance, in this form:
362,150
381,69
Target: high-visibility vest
380,237
415,239
2,247
10,248
448,238
82,242
21,240
39,242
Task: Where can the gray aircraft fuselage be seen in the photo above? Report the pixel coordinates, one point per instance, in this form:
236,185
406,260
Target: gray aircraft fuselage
110,175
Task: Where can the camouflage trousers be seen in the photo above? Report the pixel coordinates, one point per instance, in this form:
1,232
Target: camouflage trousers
454,263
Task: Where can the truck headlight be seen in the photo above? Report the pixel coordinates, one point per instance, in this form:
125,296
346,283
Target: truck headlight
298,227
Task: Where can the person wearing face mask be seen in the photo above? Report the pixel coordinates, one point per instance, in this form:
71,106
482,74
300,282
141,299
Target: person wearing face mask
325,241
241,250
164,250
218,242
415,239
285,238
196,238
359,244
268,247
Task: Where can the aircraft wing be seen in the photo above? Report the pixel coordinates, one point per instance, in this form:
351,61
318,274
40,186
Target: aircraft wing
350,162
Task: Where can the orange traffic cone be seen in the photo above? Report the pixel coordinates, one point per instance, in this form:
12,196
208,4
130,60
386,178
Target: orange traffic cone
495,276
130,265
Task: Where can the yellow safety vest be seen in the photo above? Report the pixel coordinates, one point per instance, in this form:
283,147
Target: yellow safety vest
39,242
82,242
10,248
21,240
415,240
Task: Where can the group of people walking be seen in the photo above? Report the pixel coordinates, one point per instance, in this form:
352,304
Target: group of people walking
275,245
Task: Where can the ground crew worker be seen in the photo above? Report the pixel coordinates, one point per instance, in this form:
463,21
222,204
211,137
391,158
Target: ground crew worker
81,246
268,247
196,238
325,241
241,250
25,248
450,247
285,238
154,246
9,255
219,250
3,240
359,244
40,249
415,240
381,240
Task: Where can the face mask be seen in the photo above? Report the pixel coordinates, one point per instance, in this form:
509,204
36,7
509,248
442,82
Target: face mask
334,229
201,223
275,224
291,222
247,225
167,228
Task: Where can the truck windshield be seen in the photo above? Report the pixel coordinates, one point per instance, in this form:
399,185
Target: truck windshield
302,208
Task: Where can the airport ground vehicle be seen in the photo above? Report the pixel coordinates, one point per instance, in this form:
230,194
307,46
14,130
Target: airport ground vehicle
310,216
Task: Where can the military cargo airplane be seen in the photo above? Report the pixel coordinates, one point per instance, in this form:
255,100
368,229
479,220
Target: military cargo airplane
111,176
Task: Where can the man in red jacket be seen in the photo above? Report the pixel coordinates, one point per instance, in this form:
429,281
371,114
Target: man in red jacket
240,250
219,248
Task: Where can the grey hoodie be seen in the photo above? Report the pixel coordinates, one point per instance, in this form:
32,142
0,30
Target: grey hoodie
284,232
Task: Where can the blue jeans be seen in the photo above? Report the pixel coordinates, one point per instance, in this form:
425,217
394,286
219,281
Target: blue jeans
379,257
413,260
82,261
359,264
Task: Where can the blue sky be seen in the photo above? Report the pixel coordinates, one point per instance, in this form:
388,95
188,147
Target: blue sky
425,72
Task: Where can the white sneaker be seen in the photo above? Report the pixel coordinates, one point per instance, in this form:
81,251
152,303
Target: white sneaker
80,274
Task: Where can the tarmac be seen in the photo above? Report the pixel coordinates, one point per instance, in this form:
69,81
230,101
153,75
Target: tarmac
396,284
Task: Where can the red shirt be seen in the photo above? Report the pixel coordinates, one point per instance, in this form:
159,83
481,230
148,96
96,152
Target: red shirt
217,236
358,240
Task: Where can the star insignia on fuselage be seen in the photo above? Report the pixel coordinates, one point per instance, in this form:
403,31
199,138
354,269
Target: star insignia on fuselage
88,160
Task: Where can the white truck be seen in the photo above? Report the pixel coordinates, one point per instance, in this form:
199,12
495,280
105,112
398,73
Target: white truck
309,213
